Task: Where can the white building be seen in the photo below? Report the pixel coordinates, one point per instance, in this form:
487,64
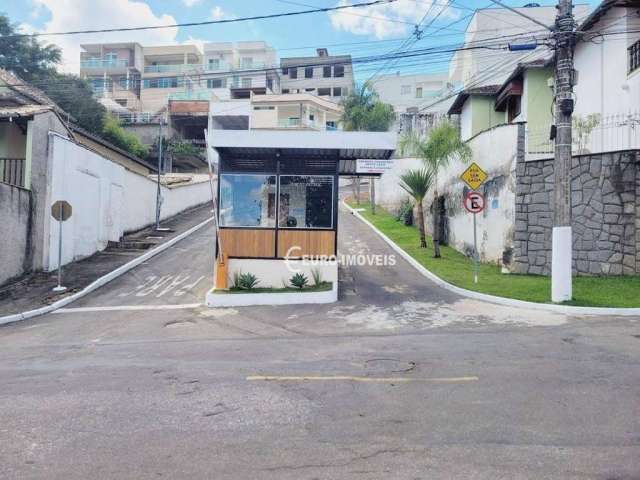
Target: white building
480,67
410,91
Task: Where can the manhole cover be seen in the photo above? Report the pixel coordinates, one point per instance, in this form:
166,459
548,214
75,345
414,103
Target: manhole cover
388,365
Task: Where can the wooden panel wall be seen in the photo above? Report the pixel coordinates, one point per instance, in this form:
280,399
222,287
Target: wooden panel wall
311,242
246,242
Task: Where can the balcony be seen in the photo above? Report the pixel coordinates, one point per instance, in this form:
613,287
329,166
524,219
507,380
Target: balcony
138,117
191,95
218,67
173,68
104,63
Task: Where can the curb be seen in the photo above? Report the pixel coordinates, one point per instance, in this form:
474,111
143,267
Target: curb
121,270
509,302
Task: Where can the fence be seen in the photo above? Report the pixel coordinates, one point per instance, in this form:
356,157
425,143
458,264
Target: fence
591,134
139,117
12,171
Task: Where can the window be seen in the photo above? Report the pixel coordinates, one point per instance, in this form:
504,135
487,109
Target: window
244,200
634,57
418,92
309,89
214,64
246,83
264,107
285,90
324,92
331,125
337,91
270,83
216,83
326,72
285,71
168,82
306,201
312,117
338,71
246,62
405,90
293,73
513,107
308,72
121,101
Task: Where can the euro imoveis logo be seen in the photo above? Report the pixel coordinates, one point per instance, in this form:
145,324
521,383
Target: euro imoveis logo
294,260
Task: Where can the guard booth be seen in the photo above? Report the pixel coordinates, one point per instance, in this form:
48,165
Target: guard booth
278,199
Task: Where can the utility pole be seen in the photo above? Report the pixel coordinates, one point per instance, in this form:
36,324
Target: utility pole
158,191
561,253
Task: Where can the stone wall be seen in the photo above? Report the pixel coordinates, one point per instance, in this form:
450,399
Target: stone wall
15,245
605,203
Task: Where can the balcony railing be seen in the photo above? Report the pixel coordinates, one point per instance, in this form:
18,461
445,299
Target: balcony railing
104,63
173,68
191,95
220,67
138,117
12,171
297,123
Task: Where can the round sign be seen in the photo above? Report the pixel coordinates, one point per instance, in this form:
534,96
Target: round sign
474,202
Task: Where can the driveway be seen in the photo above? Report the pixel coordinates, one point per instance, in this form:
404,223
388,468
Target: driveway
399,379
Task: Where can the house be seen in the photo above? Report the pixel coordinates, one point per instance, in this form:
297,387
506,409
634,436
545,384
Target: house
476,107
278,204
299,111
324,75
607,89
410,92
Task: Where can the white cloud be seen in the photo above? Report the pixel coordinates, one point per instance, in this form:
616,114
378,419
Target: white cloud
217,13
67,15
385,20
191,3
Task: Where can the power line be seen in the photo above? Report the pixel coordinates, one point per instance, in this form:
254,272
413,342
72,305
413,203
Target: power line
208,22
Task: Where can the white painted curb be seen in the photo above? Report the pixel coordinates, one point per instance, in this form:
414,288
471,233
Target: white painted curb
272,299
102,280
491,298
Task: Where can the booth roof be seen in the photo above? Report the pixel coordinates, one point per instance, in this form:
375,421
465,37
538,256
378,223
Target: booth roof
347,145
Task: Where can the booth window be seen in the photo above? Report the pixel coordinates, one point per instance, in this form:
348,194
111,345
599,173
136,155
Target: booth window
306,201
247,200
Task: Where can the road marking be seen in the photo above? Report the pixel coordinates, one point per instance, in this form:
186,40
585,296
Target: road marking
118,308
351,378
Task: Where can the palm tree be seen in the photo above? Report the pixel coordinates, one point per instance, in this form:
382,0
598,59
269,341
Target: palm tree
437,151
417,184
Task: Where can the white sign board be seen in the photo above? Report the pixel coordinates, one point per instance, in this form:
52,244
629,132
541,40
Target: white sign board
373,166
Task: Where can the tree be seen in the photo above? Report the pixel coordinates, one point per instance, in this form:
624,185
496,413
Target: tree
437,151
417,184
363,111
117,135
36,63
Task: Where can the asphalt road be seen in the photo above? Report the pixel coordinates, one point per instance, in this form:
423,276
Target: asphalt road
399,379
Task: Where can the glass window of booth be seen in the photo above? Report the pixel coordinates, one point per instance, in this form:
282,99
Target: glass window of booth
306,201
247,200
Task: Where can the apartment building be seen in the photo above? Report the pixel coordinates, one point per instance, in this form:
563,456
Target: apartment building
137,82
406,92
324,75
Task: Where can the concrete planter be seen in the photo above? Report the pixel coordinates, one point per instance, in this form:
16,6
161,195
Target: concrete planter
277,298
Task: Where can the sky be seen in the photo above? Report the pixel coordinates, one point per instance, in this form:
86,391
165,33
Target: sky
360,32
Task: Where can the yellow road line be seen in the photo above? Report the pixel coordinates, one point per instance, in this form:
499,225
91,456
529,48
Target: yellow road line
351,378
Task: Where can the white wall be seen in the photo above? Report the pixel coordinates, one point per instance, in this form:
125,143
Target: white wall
107,201
495,151
273,273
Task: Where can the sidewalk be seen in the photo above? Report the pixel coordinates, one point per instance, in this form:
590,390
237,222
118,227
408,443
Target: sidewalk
35,290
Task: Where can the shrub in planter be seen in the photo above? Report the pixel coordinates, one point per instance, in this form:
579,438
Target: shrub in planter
299,280
245,281
317,276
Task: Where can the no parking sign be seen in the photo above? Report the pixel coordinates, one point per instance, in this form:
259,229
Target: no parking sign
474,202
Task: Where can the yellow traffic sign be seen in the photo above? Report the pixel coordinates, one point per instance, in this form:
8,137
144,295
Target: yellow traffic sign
474,176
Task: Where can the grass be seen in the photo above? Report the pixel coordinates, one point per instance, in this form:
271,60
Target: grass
457,269
322,287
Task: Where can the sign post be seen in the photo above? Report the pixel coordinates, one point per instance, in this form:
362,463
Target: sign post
61,211
474,203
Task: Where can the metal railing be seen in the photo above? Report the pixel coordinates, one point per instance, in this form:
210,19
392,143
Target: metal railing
591,134
191,95
172,68
138,117
104,63
12,171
